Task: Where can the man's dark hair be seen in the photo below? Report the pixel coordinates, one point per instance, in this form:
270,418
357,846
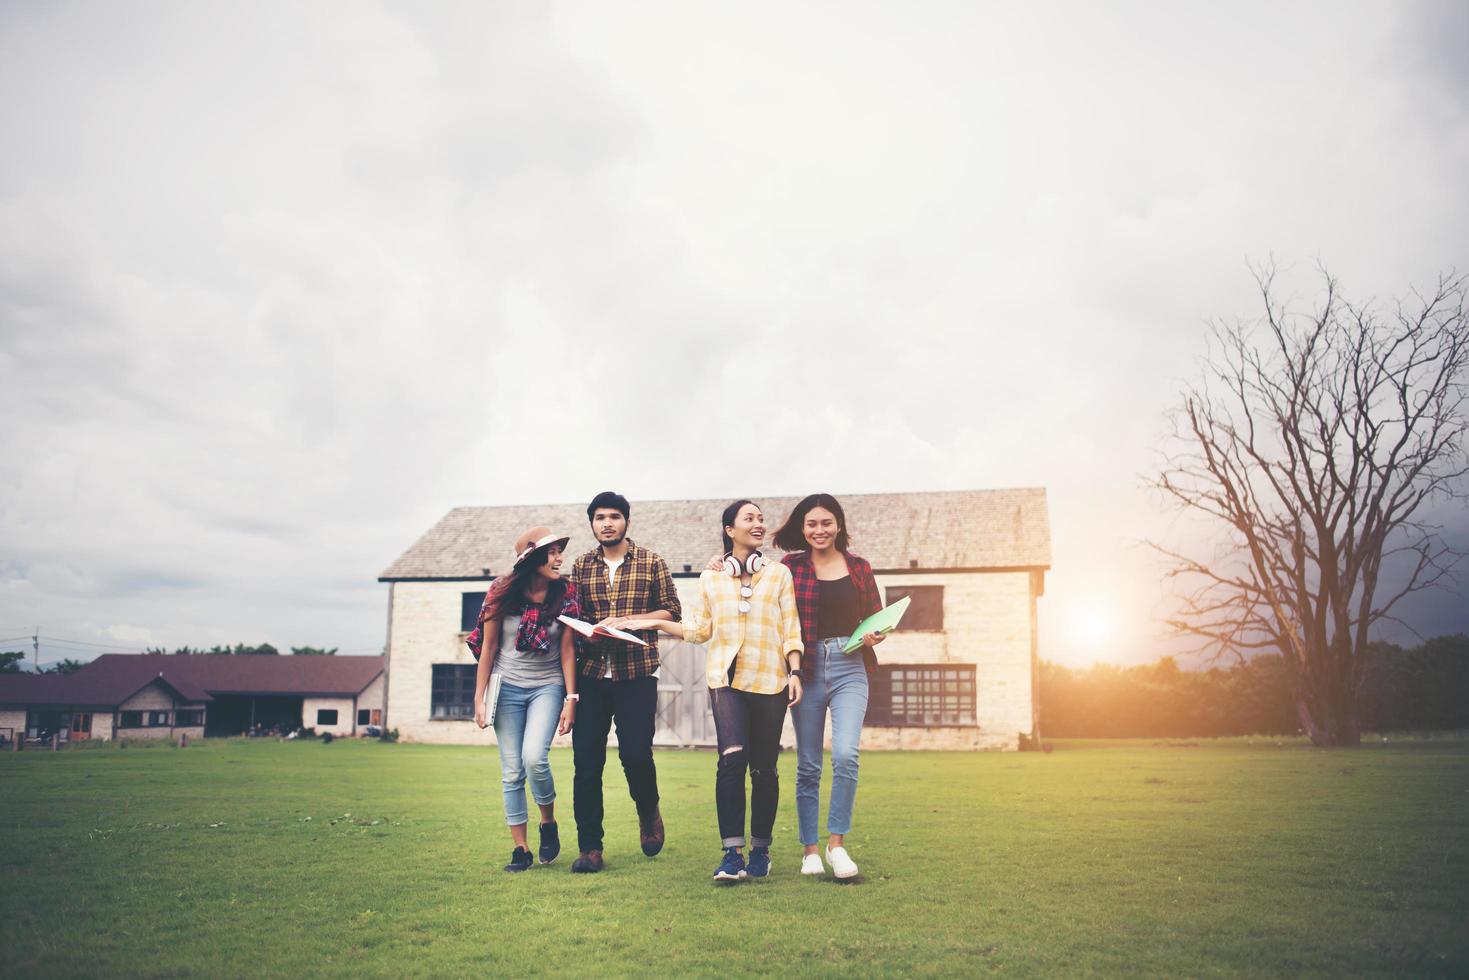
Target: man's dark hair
792,537
730,513
609,500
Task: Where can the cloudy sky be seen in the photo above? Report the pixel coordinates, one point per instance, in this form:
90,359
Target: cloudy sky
282,283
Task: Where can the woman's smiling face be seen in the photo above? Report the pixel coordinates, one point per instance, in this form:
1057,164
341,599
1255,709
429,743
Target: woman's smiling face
552,568
748,528
820,528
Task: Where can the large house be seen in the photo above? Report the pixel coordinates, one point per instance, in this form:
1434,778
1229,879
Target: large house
164,696
960,673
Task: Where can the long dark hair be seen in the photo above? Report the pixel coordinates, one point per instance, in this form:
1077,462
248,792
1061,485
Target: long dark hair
790,537
508,594
730,513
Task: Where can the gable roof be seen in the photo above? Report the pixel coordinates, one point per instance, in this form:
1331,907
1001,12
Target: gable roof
113,678
959,529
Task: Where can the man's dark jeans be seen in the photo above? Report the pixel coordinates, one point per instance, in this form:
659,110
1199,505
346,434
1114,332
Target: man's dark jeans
633,705
748,728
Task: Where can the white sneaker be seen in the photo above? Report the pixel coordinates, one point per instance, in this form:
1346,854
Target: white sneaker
841,865
811,865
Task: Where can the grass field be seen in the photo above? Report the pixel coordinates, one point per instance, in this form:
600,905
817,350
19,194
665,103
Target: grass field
234,858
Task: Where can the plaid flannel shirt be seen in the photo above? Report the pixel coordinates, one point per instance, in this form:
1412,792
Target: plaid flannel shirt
642,585
756,642
808,597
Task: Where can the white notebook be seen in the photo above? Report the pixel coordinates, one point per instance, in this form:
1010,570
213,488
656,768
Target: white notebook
492,698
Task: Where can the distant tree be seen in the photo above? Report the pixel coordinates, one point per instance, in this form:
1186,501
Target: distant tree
313,652
1314,448
10,662
67,666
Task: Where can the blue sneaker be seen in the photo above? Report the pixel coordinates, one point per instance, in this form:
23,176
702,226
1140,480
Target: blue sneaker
732,868
759,866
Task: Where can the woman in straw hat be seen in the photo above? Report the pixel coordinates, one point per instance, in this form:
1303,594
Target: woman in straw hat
519,637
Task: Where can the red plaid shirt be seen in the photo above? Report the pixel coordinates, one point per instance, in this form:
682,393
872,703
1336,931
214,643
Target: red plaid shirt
808,596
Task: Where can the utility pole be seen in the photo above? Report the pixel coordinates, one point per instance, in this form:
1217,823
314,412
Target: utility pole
36,647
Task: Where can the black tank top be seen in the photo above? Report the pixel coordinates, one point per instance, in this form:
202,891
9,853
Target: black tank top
837,611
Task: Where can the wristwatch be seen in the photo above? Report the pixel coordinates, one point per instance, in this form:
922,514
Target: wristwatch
573,697
795,673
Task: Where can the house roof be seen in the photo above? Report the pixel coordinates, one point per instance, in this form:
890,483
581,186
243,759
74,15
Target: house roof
113,678
959,529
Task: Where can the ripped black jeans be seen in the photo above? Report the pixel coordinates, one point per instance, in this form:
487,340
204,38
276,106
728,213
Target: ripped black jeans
751,724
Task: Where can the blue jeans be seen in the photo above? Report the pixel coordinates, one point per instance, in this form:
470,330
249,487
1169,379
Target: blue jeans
838,683
525,723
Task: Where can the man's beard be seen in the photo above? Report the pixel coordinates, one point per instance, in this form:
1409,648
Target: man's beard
614,542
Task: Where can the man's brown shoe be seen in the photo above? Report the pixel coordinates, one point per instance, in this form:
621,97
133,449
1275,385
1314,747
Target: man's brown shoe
650,832
590,862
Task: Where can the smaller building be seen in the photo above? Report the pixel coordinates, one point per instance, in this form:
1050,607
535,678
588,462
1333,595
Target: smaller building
167,695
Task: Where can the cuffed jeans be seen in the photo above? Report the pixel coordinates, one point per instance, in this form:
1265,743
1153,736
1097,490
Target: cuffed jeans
525,723
749,724
838,683
633,704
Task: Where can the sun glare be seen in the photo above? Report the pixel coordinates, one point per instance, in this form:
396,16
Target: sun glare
1093,625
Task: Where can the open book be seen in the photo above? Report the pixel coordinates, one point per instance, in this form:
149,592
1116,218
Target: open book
589,631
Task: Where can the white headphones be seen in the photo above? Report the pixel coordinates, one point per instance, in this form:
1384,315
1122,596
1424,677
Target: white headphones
735,568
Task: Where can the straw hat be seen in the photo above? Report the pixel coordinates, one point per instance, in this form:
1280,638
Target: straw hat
534,540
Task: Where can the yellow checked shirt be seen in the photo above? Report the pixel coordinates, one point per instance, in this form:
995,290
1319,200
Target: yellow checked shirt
756,642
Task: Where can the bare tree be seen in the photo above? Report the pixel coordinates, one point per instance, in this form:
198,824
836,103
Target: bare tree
1315,440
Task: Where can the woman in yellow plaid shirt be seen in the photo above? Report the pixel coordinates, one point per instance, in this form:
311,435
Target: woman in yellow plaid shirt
746,613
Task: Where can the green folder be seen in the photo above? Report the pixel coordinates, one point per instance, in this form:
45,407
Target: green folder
882,621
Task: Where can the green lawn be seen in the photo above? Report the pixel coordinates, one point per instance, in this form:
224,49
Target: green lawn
234,858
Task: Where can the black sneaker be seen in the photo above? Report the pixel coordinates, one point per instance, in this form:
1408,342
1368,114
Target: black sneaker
519,861
759,866
550,843
732,868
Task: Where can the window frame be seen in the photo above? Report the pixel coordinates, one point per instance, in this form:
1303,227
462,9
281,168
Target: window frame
336,714
136,721
457,682
157,718
470,604
928,700
188,717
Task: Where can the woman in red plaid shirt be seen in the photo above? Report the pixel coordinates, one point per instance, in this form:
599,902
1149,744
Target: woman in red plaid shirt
835,591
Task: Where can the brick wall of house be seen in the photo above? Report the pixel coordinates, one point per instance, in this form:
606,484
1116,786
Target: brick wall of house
14,719
343,708
154,697
372,696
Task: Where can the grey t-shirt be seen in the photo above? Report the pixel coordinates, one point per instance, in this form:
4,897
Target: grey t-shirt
531,669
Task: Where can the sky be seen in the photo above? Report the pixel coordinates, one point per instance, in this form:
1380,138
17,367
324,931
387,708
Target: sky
281,284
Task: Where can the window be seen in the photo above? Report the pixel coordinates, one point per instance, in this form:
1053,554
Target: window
131,719
326,716
469,607
363,714
377,716
158,719
189,717
922,695
453,691
81,723
925,608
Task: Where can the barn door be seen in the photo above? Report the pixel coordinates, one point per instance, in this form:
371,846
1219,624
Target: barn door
683,698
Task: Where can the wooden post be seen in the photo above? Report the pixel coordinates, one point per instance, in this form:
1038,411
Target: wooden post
183,740
55,741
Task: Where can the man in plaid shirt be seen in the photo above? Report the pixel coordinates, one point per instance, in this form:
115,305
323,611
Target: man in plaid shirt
615,581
